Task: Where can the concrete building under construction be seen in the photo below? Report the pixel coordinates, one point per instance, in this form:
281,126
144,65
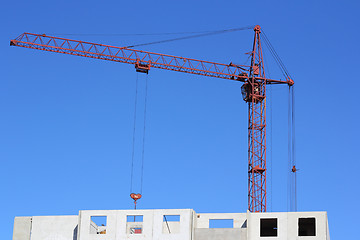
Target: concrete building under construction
173,224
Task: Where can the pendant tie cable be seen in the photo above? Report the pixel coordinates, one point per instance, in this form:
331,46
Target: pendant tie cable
195,34
150,34
192,36
277,58
137,196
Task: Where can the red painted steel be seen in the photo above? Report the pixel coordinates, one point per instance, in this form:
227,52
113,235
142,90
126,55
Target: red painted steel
257,130
135,197
142,60
253,90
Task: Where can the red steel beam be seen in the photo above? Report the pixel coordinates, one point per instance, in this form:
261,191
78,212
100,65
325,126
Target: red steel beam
141,59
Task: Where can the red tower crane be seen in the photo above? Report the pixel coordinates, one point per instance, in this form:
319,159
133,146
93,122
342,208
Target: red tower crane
253,89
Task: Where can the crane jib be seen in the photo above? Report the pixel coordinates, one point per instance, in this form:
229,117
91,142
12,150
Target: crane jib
142,60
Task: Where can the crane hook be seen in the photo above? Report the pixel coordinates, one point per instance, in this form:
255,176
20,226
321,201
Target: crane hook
135,197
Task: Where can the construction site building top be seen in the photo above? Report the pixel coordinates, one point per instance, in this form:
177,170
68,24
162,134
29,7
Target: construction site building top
173,224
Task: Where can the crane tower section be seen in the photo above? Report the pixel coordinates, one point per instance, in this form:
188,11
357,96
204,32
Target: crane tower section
254,92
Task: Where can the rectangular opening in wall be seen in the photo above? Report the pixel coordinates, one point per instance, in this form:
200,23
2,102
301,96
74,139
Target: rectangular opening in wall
98,224
134,224
268,227
221,223
134,218
171,218
171,224
307,227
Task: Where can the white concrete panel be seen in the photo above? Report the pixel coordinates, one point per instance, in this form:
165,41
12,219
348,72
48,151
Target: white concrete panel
22,228
219,234
85,232
54,227
320,224
123,225
185,231
288,225
191,226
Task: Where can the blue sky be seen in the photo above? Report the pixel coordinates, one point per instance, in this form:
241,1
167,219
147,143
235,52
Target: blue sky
66,122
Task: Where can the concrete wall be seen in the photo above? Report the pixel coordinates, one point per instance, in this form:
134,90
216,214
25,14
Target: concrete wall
54,227
203,219
152,227
220,234
45,228
287,227
22,228
327,228
189,226
237,232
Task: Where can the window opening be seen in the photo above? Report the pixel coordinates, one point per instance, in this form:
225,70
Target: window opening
134,224
268,227
307,227
221,223
171,218
171,223
134,218
98,224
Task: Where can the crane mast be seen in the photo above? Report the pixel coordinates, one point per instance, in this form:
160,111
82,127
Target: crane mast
256,91
253,89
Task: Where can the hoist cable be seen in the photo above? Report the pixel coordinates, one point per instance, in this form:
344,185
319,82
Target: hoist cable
291,186
269,103
294,145
271,148
134,133
291,150
289,195
191,36
144,131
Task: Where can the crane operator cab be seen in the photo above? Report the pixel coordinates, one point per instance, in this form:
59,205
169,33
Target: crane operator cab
251,91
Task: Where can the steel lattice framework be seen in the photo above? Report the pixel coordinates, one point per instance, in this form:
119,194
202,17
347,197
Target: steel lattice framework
253,89
257,130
